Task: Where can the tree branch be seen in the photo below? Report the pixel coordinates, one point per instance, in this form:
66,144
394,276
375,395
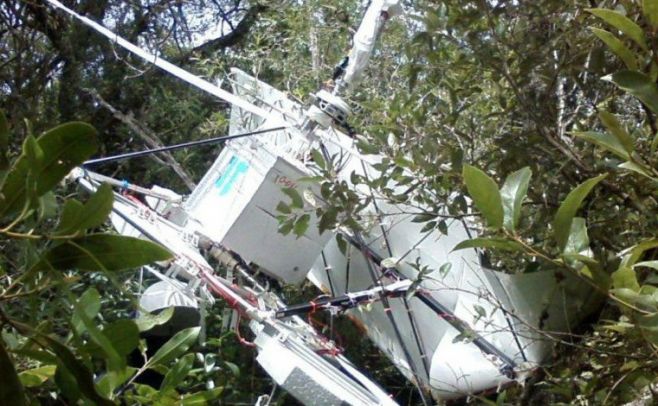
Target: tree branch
149,137
231,39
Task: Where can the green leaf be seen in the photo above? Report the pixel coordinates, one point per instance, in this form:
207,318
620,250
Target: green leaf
79,371
4,142
147,321
147,394
512,194
633,254
286,227
613,125
605,141
34,157
568,208
582,258
37,376
318,159
115,361
67,385
235,370
622,23
648,264
11,389
481,312
70,211
429,226
632,166
328,219
495,243
341,243
33,152
173,348
201,398
617,47
301,225
111,380
64,147
42,356
625,278
649,326
423,217
124,336
485,195
90,302
283,208
77,217
650,10
367,148
293,194
639,85
177,373
47,206
578,240
103,252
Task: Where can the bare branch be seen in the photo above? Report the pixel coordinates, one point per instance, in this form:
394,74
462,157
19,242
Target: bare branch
149,137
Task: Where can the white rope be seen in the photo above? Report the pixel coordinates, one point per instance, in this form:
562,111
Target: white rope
167,66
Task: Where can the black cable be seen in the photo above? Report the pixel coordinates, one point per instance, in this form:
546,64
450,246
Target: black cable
339,69
137,154
412,321
327,270
396,329
348,256
444,313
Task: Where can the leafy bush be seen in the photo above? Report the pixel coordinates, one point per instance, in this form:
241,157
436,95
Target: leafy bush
56,342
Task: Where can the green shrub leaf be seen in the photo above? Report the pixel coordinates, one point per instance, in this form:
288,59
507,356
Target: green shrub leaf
293,194
37,376
62,148
301,225
178,372
78,217
606,141
578,240
639,85
103,252
495,243
147,321
614,126
622,23
111,380
632,166
90,302
617,47
11,389
568,208
625,278
175,347
512,194
201,398
650,10
123,335
115,361
4,142
485,195
78,370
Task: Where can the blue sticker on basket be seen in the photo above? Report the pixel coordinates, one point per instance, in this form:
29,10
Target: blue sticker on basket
234,170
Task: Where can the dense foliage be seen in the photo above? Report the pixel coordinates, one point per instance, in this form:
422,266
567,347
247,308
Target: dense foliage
549,106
